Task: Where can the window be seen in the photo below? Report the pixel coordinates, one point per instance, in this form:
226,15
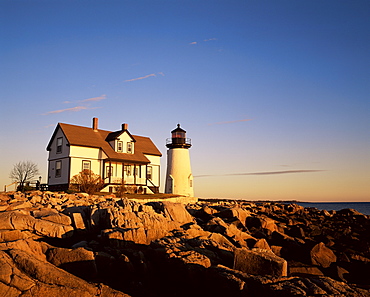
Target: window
149,171
130,147
137,170
119,146
178,135
86,165
59,145
127,169
109,171
58,168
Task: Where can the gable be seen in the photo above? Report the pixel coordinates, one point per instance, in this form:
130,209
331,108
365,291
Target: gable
118,134
53,137
121,142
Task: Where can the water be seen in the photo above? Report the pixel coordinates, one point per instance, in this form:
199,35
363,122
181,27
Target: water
363,207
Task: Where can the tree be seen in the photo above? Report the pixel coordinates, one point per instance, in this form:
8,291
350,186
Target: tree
87,181
23,172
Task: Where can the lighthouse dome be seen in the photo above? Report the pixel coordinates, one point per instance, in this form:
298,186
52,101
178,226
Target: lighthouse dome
178,132
178,139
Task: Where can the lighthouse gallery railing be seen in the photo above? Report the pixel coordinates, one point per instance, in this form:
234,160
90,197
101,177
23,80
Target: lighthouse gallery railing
178,140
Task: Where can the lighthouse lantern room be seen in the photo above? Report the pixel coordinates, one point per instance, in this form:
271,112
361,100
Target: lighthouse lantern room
179,179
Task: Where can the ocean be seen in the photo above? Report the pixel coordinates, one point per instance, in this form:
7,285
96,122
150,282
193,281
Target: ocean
363,207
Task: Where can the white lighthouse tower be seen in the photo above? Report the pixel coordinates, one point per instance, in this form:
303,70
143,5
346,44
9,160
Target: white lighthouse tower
179,179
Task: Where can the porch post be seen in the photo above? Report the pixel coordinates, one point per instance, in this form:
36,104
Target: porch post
110,171
135,173
123,173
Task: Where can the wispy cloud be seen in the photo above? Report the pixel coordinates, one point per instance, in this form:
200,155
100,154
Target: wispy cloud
277,172
230,122
204,40
73,109
263,173
83,105
143,77
48,126
102,97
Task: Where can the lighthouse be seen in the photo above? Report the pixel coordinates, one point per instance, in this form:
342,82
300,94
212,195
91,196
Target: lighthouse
179,179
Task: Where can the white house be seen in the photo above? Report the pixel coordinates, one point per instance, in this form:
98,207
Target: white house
116,156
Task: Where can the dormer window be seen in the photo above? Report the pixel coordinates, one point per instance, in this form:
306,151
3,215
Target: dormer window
59,145
130,147
119,146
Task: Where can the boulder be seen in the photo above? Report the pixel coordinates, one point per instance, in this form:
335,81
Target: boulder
49,277
234,234
27,245
276,249
216,225
349,212
11,235
293,208
177,212
58,218
50,229
262,222
136,235
43,212
304,271
294,287
19,205
14,220
339,273
191,257
79,261
296,231
227,282
80,216
259,262
234,212
12,279
321,255
208,210
262,244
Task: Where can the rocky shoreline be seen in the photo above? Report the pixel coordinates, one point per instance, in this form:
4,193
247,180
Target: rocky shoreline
58,244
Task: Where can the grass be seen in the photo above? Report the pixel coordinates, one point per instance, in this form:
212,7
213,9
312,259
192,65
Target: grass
146,196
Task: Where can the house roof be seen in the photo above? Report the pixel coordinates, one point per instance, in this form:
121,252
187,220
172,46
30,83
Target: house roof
87,137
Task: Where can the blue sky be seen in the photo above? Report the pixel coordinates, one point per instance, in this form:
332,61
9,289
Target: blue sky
273,87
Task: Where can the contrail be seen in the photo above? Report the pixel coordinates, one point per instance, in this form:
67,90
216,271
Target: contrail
261,173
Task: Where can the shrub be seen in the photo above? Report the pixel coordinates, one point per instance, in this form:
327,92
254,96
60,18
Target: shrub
121,189
87,181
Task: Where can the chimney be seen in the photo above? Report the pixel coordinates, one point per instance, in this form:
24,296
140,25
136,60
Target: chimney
95,124
124,127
